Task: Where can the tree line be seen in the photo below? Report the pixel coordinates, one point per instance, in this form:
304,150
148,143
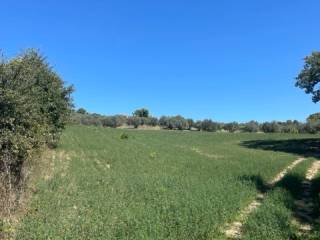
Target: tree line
141,117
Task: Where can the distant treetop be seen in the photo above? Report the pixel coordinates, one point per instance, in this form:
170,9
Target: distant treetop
143,112
81,111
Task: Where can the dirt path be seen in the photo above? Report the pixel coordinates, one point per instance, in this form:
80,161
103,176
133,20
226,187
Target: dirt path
233,230
304,206
198,151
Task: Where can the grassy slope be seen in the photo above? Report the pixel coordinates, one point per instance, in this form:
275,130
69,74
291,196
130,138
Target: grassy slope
155,185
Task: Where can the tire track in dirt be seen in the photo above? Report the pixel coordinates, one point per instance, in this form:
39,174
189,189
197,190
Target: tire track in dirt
305,206
198,151
233,230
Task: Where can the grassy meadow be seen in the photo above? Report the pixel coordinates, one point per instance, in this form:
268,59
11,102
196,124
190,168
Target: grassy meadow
162,185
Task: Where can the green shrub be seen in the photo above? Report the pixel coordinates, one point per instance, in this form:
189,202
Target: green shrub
251,126
34,107
124,136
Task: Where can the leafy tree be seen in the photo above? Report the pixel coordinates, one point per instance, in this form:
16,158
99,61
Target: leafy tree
190,123
197,125
290,127
134,121
251,126
179,122
81,111
176,122
311,127
271,127
114,121
309,77
313,123
143,112
151,121
314,117
208,125
231,127
164,121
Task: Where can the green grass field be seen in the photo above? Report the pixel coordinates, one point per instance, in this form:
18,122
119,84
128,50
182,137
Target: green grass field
163,185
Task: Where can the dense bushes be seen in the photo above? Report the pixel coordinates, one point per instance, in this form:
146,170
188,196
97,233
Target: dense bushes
208,125
251,126
177,122
141,118
34,107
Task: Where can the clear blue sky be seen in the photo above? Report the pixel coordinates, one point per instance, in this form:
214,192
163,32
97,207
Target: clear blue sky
225,60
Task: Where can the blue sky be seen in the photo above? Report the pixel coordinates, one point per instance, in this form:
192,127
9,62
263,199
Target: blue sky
225,60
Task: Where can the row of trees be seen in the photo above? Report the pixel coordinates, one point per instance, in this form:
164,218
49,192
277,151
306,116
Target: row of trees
35,105
141,117
308,80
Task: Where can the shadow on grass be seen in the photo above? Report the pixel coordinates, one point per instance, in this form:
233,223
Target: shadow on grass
292,183
307,147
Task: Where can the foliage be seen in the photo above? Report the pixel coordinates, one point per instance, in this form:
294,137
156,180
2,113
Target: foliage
208,125
114,121
143,112
231,127
191,123
140,121
290,127
180,123
81,111
309,78
177,122
124,136
34,107
313,123
315,117
270,127
251,126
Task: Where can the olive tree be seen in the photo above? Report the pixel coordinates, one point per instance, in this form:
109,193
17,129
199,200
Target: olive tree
143,112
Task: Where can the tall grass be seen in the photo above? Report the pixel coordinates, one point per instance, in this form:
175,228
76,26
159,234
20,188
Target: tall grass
152,185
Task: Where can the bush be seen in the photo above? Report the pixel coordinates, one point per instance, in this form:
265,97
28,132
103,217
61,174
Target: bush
177,122
191,123
81,111
34,108
124,136
114,121
271,127
209,125
251,126
231,127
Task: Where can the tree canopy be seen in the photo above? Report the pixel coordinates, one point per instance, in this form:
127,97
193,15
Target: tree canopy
309,77
143,112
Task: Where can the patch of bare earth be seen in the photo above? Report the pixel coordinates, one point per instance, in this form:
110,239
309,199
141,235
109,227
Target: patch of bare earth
305,206
233,230
198,151
208,155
